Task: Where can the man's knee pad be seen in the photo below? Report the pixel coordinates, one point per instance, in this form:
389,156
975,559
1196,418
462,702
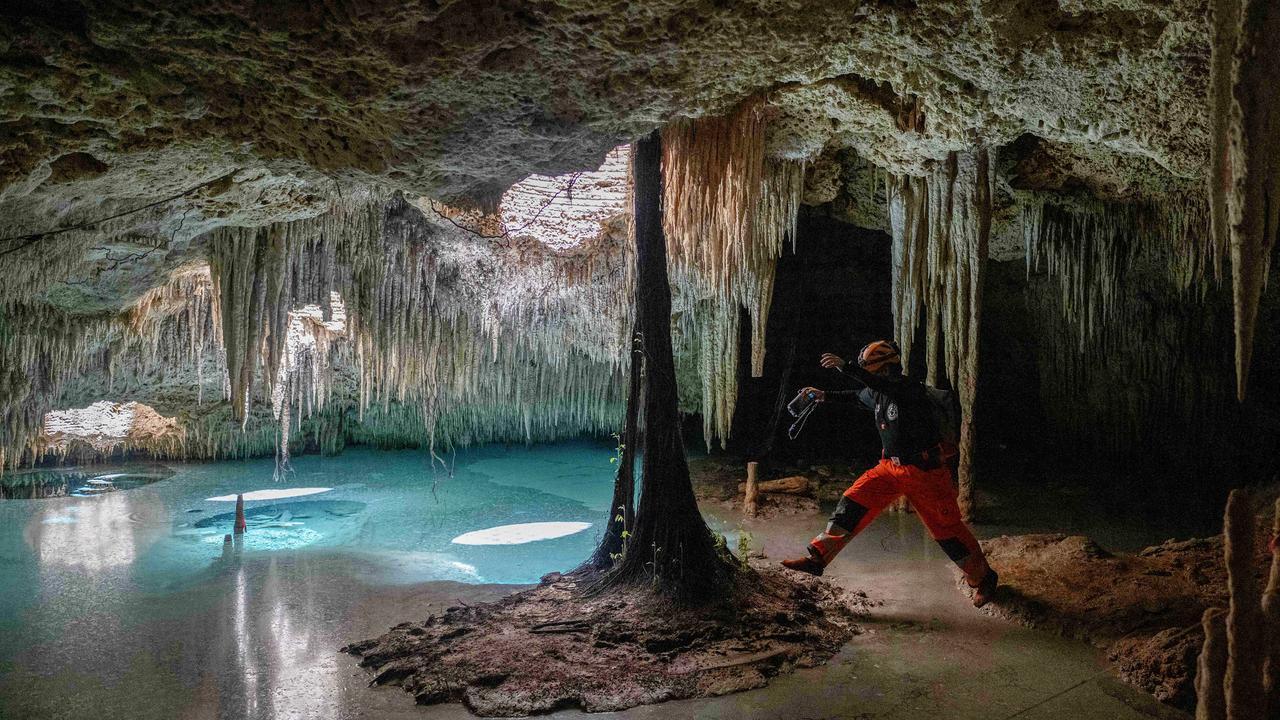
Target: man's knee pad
954,549
827,545
848,514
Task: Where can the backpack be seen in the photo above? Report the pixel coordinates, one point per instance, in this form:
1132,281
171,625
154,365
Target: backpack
946,413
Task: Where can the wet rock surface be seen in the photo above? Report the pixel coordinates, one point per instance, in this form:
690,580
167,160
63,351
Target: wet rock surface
552,647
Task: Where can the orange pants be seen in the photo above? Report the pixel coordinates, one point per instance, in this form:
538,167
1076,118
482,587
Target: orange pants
931,494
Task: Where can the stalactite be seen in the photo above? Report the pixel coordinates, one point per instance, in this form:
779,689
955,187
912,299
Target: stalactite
713,170
468,340
1224,19
941,227
1126,281
76,256
424,349
1091,246
41,348
1244,188
248,267
727,213
776,215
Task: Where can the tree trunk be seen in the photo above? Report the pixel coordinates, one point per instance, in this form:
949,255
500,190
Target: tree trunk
671,548
622,511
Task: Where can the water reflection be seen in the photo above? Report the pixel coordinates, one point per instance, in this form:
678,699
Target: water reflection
272,654
74,482
92,535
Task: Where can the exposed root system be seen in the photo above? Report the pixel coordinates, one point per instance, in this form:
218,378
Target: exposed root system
552,647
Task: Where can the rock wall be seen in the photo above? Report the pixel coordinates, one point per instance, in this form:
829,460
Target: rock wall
1143,393
135,99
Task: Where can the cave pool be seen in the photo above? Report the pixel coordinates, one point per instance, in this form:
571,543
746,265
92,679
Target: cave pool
136,588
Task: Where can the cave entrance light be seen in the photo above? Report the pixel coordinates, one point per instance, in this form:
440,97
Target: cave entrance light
562,211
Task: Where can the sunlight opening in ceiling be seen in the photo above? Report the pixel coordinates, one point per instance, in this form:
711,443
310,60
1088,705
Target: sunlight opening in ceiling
562,211
106,424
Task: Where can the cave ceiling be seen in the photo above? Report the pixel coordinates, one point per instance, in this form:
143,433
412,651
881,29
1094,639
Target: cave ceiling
270,108
147,135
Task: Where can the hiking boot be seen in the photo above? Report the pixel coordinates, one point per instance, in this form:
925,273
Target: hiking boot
986,589
805,565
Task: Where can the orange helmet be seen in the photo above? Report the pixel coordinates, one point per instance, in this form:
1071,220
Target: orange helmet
878,355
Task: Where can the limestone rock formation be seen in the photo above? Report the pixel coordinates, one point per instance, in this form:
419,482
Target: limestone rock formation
118,103
145,142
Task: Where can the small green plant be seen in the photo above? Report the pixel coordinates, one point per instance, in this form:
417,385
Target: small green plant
620,520
655,567
744,546
617,450
722,542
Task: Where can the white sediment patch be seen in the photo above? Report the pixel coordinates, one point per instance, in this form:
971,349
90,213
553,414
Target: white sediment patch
521,533
271,494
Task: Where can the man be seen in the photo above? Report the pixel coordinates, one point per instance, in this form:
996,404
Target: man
912,464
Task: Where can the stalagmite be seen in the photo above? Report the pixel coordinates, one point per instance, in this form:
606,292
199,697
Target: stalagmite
240,525
1245,154
1246,632
1211,668
1271,612
1234,673
941,227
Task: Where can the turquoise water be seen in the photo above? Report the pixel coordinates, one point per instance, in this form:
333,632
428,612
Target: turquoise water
103,597
394,510
130,604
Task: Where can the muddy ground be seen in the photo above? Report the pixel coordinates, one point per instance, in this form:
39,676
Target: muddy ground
1142,609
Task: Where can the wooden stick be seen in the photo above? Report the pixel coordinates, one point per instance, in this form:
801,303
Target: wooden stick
753,490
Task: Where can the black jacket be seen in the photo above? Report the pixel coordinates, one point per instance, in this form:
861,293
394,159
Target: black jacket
904,414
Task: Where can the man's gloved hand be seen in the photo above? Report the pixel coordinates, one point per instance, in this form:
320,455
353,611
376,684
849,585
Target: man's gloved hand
818,395
831,361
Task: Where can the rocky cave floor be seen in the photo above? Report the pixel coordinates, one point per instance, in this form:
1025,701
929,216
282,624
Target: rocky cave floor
1142,609
553,646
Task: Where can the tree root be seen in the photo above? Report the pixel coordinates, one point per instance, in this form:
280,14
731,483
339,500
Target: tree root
554,647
